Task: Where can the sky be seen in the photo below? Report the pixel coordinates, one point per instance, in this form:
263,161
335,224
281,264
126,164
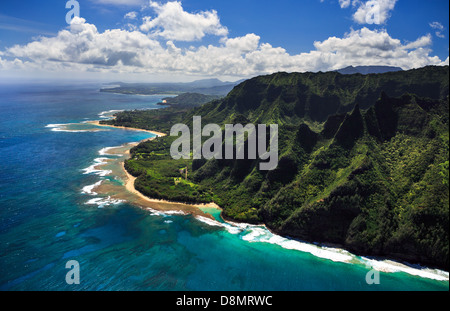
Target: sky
150,41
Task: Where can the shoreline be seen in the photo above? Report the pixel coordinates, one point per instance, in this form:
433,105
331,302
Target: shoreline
142,201
195,210
382,264
97,123
129,185
130,179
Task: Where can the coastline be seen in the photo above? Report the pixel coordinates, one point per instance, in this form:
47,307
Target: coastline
97,123
129,185
142,200
383,264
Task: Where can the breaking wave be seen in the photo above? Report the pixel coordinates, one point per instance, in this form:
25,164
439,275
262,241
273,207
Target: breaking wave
255,233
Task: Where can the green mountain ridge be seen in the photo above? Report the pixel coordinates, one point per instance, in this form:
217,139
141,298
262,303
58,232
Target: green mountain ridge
363,161
286,98
375,196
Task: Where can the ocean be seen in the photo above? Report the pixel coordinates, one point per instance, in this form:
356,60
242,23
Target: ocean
50,214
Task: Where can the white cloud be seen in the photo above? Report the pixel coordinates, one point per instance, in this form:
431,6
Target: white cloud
173,23
14,64
439,28
370,12
344,3
373,11
419,43
83,44
437,25
244,44
131,15
376,47
82,48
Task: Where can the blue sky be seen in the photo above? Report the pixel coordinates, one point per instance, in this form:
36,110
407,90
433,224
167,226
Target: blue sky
185,40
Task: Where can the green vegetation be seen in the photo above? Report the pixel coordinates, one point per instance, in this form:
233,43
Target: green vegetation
188,100
157,119
161,119
161,177
363,161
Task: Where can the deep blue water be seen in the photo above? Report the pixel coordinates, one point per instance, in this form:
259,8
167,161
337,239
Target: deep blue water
45,221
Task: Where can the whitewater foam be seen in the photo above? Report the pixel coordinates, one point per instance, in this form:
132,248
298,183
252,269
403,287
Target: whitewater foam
63,128
262,234
230,228
93,170
255,233
155,212
102,202
104,151
389,266
108,114
89,189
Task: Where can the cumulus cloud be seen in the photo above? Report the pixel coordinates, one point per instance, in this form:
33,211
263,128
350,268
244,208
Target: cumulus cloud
377,47
247,43
374,11
370,12
83,44
174,23
82,47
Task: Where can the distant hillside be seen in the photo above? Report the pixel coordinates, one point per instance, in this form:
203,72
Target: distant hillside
368,69
206,86
188,100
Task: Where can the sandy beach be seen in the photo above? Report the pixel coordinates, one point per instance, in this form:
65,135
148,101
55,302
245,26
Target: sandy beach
97,123
142,200
129,185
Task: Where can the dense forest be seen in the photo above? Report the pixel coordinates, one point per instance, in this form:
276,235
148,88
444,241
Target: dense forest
188,100
363,160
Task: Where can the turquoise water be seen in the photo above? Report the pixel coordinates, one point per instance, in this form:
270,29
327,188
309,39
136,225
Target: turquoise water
46,221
